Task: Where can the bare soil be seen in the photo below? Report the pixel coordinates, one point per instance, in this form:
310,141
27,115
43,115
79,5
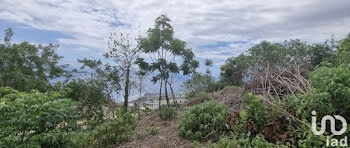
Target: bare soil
168,133
167,136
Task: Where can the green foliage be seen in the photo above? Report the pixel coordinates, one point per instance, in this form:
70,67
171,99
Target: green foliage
199,83
306,138
237,70
266,53
153,130
28,66
91,96
111,132
36,119
344,44
167,113
163,48
304,104
54,139
7,90
254,111
82,139
198,96
104,76
195,143
206,118
234,70
336,82
244,142
320,52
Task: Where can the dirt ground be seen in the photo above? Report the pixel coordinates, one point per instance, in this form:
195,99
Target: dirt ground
167,136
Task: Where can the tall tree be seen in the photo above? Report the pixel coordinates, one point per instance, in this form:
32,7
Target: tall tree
8,36
234,70
165,51
123,52
208,63
27,66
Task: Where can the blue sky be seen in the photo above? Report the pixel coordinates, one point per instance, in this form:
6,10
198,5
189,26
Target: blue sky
214,30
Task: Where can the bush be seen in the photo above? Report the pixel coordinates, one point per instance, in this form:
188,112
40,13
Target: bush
254,111
7,90
304,104
244,142
111,132
153,130
167,113
336,82
200,120
37,119
306,138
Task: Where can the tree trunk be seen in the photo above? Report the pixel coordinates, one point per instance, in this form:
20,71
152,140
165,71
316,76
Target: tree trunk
166,92
160,94
172,93
140,93
126,89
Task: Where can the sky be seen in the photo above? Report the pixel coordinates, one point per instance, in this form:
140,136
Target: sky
214,30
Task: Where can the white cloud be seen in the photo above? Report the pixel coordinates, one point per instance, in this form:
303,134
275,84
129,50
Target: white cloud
204,22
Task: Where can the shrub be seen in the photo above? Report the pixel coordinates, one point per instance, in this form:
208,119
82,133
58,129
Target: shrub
306,138
153,130
55,139
167,113
82,139
200,120
114,131
36,119
335,81
7,90
244,142
304,104
254,110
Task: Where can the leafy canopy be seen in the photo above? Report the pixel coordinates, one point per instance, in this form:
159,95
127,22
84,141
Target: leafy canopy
35,118
28,66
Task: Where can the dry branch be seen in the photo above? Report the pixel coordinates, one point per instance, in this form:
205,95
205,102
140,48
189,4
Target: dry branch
278,82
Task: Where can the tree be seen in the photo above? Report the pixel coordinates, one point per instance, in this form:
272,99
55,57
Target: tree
342,55
320,52
142,73
90,93
344,44
28,66
235,70
164,50
199,83
124,54
267,54
104,79
8,35
208,63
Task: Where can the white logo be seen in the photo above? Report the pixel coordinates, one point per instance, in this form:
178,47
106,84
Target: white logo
323,124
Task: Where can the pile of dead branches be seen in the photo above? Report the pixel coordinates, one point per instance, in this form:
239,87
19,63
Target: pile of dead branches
278,81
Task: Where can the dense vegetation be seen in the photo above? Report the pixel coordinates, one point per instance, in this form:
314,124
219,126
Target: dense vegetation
204,119
35,112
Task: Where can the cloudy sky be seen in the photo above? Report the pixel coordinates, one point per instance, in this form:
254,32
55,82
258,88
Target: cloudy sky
213,29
